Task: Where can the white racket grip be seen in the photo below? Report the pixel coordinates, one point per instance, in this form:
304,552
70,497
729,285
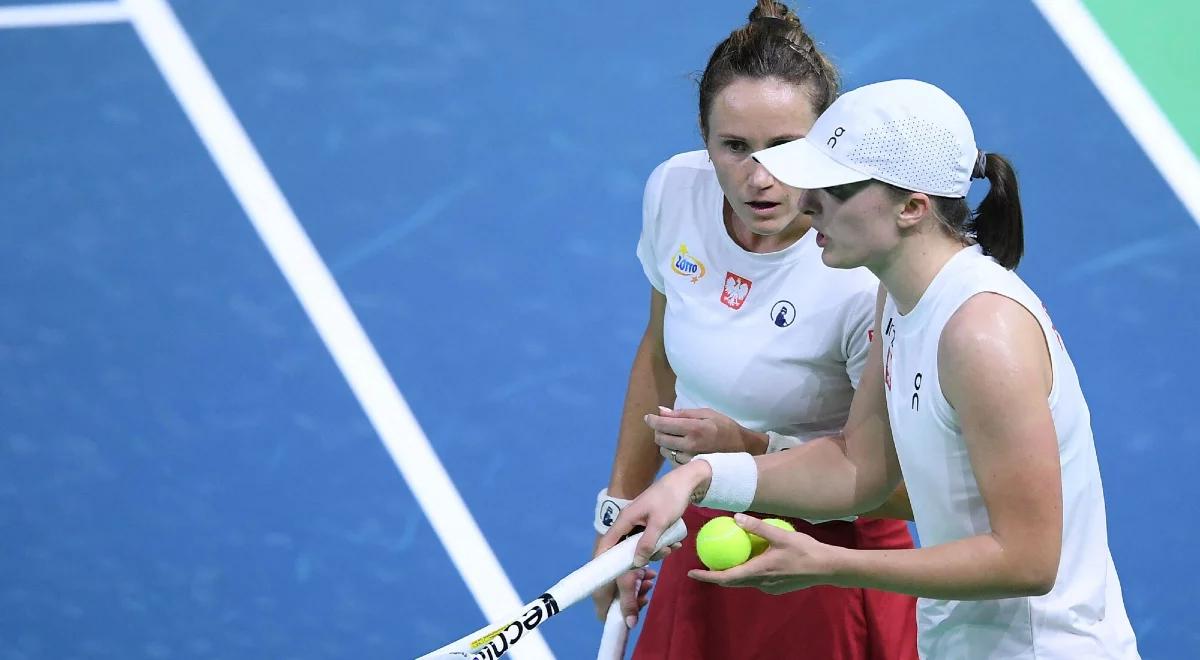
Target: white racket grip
570,590
609,566
616,634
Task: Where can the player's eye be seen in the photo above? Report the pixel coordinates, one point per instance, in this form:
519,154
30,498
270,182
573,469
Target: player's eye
736,146
847,190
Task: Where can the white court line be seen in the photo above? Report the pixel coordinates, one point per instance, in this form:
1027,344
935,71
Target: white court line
1110,73
313,284
57,15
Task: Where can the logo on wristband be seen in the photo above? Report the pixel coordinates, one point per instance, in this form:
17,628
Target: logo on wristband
608,512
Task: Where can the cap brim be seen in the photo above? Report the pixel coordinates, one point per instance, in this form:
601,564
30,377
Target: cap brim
801,165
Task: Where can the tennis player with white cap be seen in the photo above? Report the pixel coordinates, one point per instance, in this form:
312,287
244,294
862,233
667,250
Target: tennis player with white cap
969,389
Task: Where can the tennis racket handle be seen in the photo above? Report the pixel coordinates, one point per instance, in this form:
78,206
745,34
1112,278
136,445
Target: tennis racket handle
610,565
570,590
616,634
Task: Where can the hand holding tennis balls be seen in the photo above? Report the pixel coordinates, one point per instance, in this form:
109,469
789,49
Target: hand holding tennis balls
722,543
758,544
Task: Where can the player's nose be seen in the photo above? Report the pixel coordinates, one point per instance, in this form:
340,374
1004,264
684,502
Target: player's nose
760,178
807,201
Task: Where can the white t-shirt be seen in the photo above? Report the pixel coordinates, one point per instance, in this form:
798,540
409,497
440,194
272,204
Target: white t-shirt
1083,616
775,341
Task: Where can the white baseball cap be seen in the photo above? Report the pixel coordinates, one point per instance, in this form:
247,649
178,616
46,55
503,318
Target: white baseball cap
907,133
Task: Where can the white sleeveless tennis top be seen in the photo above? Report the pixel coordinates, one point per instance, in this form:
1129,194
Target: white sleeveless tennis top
1083,616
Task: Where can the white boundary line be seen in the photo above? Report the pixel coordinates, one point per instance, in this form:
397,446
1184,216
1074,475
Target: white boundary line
321,298
1110,73
57,15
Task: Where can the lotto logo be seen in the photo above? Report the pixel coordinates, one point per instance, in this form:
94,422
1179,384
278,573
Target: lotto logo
688,265
736,288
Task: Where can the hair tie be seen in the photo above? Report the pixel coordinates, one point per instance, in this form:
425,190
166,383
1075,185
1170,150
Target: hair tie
980,171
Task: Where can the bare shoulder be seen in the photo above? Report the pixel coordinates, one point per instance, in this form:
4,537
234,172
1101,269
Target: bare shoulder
992,341
988,322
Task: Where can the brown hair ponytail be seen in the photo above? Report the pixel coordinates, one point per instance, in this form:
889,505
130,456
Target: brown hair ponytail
997,223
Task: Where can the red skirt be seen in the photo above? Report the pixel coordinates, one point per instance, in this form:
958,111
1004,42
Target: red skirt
692,619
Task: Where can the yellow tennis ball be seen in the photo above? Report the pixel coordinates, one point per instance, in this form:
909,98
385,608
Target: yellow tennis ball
758,544
721,544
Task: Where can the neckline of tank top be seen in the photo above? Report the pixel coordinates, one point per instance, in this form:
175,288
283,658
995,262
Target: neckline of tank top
914,319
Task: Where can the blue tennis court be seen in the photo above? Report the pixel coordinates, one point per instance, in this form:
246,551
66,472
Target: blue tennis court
199,450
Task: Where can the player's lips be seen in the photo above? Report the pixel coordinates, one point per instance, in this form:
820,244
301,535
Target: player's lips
821,240
762,208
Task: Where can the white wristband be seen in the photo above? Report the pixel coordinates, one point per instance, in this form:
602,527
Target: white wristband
779,442
607,508
734,481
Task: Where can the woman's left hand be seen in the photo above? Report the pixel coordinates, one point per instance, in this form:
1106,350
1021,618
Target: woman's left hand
793,561
681,434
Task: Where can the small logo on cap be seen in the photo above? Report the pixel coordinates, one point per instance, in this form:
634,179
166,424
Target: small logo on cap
783,313
837,133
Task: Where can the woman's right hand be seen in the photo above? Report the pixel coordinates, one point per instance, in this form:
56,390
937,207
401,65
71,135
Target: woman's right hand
634,586
656,509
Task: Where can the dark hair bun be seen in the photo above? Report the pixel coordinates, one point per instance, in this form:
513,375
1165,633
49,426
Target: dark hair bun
772,9
774,44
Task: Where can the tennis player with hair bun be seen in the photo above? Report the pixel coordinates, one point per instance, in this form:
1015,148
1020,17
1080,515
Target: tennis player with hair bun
968,389
753,345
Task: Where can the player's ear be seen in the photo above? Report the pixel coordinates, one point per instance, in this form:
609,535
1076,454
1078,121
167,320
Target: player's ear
914,207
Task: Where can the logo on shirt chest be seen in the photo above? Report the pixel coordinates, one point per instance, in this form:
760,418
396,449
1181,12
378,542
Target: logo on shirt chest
736,288
916,397
890,333
687,264
783,313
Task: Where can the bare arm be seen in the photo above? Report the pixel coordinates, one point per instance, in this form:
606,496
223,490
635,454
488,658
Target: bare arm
651,384
996,372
